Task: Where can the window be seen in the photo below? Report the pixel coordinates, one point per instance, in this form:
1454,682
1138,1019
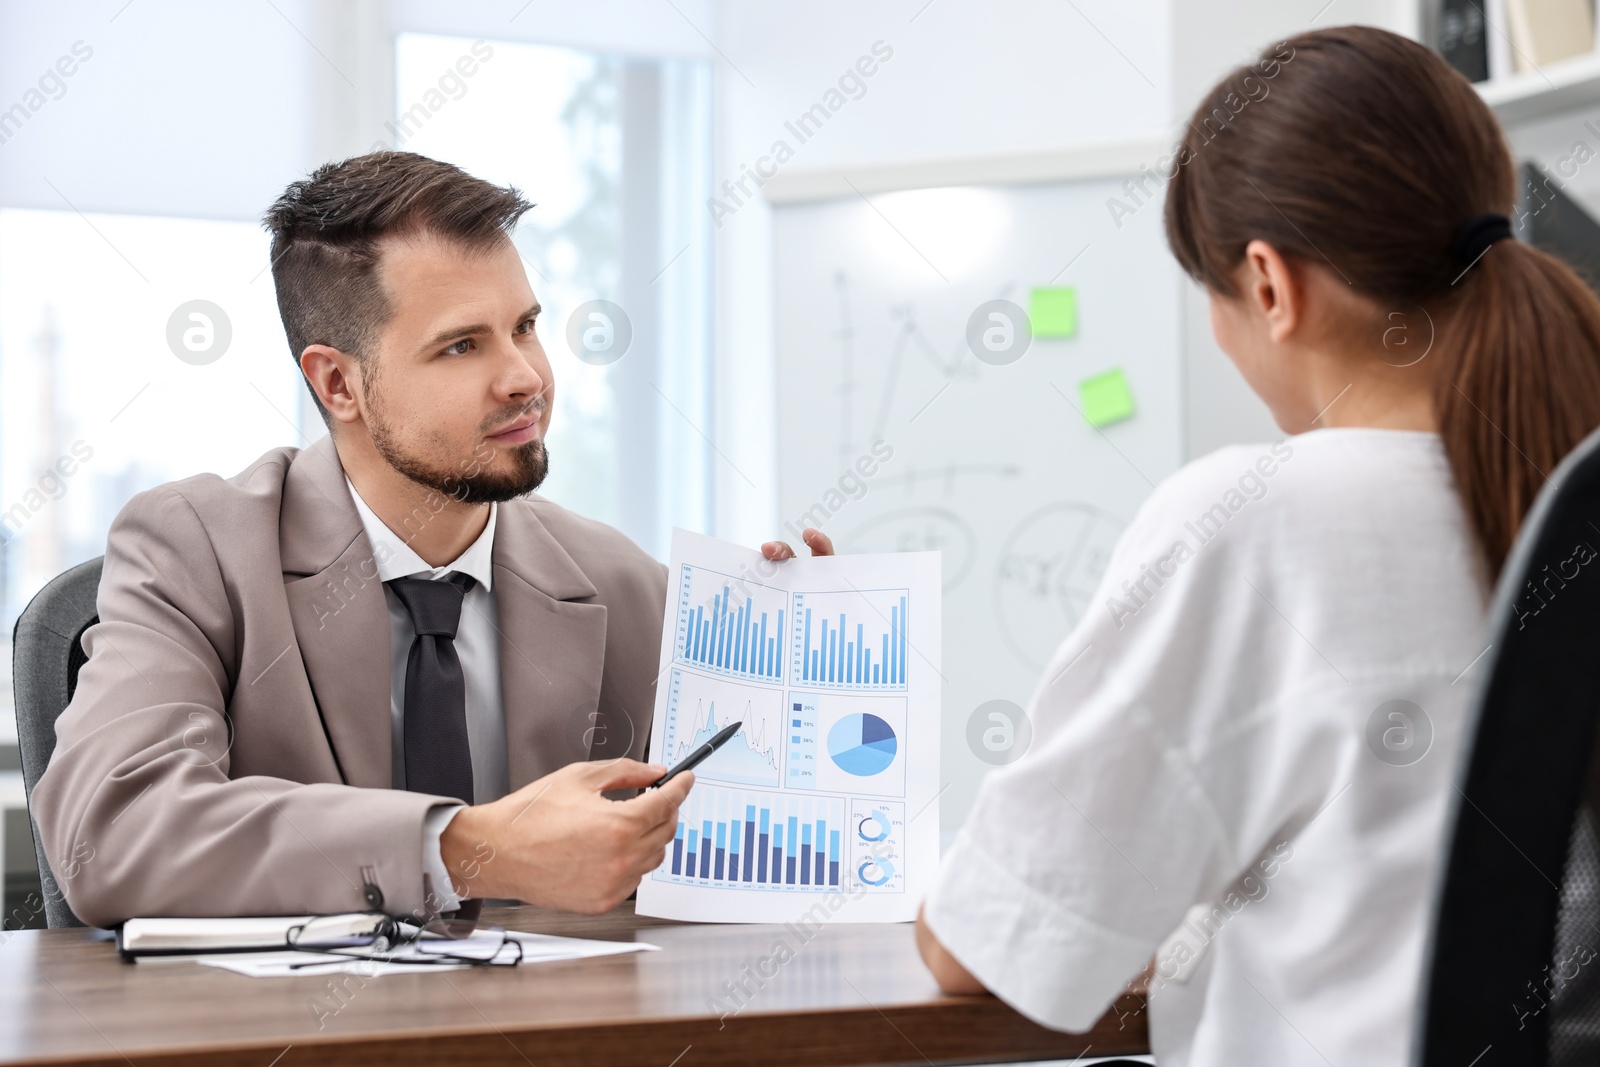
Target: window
115,380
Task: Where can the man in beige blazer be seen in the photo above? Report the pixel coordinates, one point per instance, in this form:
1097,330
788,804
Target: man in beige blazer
237,736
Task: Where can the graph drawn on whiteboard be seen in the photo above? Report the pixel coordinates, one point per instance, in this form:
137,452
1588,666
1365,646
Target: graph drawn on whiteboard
742,839
846,744
864,413
698,706
850,640
730,626
921,529
1050,567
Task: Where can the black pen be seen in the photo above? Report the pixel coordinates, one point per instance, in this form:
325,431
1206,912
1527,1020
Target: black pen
698,756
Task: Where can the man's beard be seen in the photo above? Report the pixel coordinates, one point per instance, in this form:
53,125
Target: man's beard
468,482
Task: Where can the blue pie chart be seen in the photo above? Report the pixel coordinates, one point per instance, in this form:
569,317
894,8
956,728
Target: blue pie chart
862,745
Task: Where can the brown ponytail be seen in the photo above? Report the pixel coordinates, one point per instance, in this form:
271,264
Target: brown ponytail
1365,152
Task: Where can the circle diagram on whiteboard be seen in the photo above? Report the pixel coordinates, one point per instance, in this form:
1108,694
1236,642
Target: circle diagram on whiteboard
1049,568
846,744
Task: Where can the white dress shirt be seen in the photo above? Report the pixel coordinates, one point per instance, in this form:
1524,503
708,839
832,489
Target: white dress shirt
1241,763
476,646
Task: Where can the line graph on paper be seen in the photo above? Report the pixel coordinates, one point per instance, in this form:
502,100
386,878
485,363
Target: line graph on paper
698,706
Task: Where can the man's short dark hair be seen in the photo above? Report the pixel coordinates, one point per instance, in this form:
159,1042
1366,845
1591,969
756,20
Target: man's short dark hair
325,232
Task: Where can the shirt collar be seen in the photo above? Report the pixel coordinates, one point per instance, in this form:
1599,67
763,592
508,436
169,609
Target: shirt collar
396,559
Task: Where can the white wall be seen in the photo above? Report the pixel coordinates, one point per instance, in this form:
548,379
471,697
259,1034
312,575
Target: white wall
1216,36
227,124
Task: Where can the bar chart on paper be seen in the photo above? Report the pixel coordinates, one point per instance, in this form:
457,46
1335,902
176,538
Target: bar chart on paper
757,840
851,640
699,706
730,626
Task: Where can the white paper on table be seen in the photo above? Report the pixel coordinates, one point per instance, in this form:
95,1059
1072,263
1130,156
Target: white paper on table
539,948
832,664
536,948
281,964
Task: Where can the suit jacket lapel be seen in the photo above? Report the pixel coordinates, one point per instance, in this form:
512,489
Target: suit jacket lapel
552,647
340,615
551,643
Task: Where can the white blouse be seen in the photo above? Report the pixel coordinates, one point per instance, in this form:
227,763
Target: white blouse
1241,762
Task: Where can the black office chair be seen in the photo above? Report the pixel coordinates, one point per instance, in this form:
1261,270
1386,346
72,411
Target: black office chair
1512,971
46,652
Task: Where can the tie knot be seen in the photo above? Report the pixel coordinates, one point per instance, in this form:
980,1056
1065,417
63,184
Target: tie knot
434,604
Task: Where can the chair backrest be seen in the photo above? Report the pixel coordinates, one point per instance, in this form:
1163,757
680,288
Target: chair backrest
47,650
1511,975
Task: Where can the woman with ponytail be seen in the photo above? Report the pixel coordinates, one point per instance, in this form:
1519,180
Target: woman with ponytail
1242,756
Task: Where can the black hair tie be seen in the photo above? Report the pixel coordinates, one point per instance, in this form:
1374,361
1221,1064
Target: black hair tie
1475,236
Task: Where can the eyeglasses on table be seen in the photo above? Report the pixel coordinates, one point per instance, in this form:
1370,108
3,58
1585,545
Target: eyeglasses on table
374,935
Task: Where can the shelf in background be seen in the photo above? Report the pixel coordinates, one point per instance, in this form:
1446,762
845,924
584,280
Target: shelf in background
1537,94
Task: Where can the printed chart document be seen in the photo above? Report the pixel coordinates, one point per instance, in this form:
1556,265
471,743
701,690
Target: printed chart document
823,804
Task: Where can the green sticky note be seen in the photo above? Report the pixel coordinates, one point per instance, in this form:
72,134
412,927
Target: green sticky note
1053,311
1105,398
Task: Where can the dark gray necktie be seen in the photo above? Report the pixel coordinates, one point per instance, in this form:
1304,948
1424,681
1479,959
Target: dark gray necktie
438,759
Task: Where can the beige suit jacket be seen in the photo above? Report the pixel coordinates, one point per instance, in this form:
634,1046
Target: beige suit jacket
227,749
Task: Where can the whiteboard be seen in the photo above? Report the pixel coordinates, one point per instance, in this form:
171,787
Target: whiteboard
993,465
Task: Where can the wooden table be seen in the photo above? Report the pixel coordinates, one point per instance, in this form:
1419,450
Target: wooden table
850,994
